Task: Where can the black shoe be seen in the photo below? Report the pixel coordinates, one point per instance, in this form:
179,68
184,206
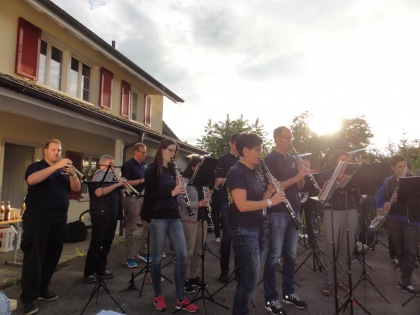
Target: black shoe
224,277
407,288
107,274
90,279
294,300
274,307
196,282
188,287
48,295
30,308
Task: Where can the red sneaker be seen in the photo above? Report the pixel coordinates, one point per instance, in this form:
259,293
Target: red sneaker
159,303
185,304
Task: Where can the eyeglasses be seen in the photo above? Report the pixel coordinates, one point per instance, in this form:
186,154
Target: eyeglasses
143,152
287,138
171,150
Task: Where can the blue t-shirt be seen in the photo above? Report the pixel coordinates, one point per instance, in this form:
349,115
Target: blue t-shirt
242,177
133,170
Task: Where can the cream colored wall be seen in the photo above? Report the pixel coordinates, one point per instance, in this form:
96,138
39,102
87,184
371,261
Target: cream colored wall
10,11
21,131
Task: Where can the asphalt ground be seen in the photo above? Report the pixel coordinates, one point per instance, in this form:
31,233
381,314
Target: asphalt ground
375,290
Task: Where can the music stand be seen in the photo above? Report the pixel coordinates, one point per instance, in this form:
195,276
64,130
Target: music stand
368,178
107,178
409,190
202,177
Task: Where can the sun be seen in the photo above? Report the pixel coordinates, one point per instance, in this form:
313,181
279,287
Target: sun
325,124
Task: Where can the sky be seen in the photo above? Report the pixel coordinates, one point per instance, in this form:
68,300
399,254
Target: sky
272,60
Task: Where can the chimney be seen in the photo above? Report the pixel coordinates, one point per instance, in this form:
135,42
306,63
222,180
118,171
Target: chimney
113,44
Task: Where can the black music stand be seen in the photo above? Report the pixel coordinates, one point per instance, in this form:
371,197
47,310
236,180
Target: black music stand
409,190
368,178
107,178
202,177
312,245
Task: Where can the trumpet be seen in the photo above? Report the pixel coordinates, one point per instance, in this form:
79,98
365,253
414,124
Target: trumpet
129,190
206,193
75,170
190,211
273,181
311,177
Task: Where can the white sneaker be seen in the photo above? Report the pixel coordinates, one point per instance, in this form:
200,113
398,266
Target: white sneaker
217,239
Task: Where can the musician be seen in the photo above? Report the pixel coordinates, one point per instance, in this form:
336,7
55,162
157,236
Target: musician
367,213
133,171
338,216
247,198
160,209
44,222
105,202
220,206
283,235
402,221
195,226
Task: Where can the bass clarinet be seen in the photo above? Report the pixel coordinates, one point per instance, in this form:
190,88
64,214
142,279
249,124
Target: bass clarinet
278,189
190,211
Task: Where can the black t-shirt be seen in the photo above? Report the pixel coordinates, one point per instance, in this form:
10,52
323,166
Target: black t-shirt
158,200
109,203
242,177
49,197
224,164
283,167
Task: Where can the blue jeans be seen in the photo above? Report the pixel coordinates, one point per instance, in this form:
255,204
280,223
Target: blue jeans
159,229
248,244
283,239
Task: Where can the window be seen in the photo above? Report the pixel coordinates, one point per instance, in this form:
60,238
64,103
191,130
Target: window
134,104
50,66
80,79
125,98
27,49
147,110
105,88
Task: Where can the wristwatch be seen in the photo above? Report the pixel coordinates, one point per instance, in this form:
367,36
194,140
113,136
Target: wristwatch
269,203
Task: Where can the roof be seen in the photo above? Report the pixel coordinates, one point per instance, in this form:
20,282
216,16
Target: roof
77,27
61,100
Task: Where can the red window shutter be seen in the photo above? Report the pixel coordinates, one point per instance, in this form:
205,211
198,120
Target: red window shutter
105,88
77,159
147,110
28,46
125,98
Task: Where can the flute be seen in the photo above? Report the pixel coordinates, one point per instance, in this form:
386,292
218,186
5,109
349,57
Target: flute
273,181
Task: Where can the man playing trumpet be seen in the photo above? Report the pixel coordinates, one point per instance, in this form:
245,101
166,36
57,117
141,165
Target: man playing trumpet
44,223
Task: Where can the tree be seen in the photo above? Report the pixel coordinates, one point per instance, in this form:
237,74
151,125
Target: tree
217,135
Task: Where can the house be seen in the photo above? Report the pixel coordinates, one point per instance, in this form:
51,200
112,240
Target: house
60,80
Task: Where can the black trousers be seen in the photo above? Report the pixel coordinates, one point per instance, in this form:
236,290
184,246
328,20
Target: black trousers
405,237
103,233
42,244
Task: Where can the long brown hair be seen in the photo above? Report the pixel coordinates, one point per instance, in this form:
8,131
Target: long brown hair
158,157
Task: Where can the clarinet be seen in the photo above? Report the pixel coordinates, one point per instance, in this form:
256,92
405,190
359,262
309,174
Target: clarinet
311,177
272,180
206,193
190,211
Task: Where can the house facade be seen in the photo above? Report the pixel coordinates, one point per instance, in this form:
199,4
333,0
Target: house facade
60,80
